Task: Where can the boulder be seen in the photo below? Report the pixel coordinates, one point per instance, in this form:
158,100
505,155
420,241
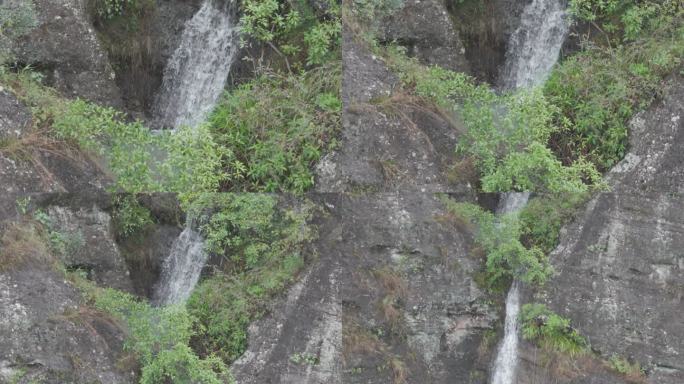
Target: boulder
426,30
65,47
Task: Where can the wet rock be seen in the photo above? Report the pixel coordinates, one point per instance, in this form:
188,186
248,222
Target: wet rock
425,29
89,243
391,293
620,266
65,47
484,28
49,337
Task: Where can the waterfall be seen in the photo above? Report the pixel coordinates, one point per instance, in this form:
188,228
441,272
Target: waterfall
534,47
181,269
506,361
196,74
532,52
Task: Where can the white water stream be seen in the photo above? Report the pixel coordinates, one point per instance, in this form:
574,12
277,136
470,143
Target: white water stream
181,269
534,47
532,52
196,74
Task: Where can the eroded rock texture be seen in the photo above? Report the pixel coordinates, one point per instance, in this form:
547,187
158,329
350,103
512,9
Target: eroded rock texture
391,294
620,265
64,45
49,337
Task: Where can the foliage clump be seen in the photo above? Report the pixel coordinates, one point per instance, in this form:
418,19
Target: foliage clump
129,216
506,136
276,127
261,249
293,30
160,337
506,257
618,73
549,330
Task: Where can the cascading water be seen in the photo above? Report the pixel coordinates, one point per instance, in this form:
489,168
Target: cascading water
181,269
532,52
534,47
197,72
506,361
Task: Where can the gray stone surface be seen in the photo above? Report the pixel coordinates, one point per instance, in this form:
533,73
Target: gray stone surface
364,242
88,232
48,337
620,265
425,29
388,141
65,46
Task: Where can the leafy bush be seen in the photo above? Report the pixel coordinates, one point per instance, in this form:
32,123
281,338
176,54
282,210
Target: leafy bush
543,216
262,253
129,216
549,330
281,25
275,128
507,257
159,337
106,10
17,18
505,135
598,90
623,366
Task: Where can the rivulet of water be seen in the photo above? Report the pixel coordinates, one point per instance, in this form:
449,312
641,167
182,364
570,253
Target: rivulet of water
181,269
196,74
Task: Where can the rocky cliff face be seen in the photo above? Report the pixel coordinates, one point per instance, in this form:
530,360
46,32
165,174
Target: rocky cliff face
65,47
619,266
390,294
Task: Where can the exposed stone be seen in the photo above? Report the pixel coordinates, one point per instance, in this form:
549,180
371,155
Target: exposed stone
366,244
64,45
388,142
425,29
89,239
620,265
14,116
48,337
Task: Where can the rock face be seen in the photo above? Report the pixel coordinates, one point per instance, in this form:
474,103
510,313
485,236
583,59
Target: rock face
48,337
90,245
389,142
620,266
427,32
26,168
14,116
485,27
391,295
65,47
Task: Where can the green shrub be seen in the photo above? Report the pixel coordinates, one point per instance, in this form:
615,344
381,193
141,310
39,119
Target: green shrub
107,10
291,28
549,330
598,90
623,366
506,257
159,337
543,216
276,127
506,135
129,216
262,249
